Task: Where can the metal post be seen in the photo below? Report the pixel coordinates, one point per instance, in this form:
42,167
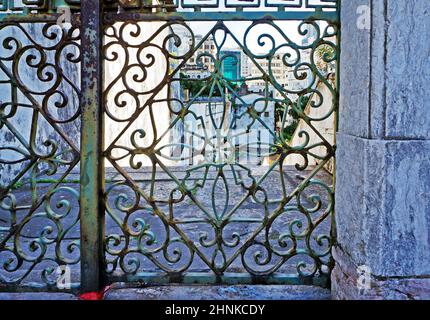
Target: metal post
92,168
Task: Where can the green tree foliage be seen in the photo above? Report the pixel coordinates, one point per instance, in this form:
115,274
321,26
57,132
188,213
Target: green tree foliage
324,54
195,85
288,131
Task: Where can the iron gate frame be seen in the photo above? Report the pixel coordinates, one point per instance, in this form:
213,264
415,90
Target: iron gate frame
92,16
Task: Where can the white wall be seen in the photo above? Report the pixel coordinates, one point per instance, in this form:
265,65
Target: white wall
325,127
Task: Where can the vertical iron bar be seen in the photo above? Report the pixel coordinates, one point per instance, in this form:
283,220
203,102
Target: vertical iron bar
259,145
247,147
336,119
92,168
191,160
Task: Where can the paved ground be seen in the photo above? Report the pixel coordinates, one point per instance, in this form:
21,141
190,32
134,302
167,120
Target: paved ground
219,293
37,296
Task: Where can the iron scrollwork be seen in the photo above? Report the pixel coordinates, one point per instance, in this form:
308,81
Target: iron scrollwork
39,122
291,224
179,198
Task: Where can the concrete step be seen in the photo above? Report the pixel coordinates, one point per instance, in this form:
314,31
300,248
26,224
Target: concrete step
46,296
190,292
218,292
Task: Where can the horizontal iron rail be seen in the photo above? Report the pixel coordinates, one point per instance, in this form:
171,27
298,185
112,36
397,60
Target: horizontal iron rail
37,17
330,16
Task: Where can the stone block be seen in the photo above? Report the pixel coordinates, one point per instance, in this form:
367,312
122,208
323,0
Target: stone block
407,69
347,284
385,70
383,204
377,70
354,72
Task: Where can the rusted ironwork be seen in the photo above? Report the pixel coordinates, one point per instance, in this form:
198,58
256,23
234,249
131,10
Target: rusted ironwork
38,110
134,205
92,166
169,218
37,6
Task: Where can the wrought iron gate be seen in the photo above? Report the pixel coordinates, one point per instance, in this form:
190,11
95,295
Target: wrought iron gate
169,141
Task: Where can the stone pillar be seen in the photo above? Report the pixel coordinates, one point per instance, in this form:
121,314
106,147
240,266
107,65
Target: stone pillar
383,155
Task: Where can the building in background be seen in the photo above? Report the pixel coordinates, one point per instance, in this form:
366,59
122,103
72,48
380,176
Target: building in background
245,65
195,71
325,127
231,64
202,55
254,137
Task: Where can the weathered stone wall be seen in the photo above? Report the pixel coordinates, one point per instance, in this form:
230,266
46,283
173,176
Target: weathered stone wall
383,157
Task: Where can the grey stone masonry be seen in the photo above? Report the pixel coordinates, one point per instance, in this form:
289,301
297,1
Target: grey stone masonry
385,71
383,152
345,279
383,205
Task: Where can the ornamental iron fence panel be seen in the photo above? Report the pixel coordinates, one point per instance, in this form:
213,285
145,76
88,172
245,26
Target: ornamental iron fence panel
173,141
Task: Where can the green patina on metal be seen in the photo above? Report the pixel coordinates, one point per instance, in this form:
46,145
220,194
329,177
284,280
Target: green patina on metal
38,6
115,235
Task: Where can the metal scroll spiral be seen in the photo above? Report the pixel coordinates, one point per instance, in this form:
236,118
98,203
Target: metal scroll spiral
39,61
132,205
35,253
